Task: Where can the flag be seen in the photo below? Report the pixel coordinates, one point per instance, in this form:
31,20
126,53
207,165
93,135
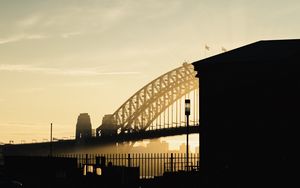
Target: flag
206,47
223,49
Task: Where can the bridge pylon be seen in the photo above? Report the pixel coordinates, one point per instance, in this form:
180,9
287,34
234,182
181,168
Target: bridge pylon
108,127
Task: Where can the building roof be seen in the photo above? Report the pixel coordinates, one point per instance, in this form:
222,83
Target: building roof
264,51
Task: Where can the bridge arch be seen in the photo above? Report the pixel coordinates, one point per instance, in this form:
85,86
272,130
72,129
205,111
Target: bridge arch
142,108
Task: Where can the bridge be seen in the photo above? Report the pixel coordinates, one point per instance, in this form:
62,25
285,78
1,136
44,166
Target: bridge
156,110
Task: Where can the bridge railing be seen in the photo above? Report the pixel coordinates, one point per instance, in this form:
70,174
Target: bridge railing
150,164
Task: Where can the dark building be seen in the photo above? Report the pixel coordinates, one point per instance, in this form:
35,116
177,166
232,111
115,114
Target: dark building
33,172
41,171
249,115
83,127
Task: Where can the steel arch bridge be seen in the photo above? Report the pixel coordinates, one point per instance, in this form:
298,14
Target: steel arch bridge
159,99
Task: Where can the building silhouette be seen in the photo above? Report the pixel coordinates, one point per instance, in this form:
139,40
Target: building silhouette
156,145
83,127
182,148
248,115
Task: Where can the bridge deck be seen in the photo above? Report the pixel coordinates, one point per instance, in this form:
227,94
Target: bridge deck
136,136
72,146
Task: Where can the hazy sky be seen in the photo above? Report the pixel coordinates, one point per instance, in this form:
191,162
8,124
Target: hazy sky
59,58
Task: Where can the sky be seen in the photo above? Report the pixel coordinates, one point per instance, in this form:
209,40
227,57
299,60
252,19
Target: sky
60,58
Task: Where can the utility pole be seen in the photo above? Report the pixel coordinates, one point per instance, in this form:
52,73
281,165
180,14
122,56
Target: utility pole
187,113
51,140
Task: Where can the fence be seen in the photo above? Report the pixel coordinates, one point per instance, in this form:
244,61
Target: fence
150,164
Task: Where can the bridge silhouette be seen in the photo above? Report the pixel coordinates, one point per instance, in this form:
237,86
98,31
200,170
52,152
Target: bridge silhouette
153,111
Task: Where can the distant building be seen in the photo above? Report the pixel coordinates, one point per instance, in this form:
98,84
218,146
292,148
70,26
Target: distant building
139,149
182,148
197,149
156,145
83,127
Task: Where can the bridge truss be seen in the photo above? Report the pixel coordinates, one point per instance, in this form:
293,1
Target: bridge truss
157,105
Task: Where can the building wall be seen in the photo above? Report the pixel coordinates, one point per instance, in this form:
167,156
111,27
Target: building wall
248,121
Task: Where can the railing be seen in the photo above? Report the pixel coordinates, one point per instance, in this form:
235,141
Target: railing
150,164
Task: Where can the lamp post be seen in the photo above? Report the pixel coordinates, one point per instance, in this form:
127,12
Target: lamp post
187,113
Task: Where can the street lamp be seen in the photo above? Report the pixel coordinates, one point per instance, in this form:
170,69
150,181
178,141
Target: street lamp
187,113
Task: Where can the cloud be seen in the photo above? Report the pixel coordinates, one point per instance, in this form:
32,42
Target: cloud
21,37
36,36
79,84
20,68
87,72
69,35
118,73
31,90
83,17
25,124
29,21
75,72
56,71
11,39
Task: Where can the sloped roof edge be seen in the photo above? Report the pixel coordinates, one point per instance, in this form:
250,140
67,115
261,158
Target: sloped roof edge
260,50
